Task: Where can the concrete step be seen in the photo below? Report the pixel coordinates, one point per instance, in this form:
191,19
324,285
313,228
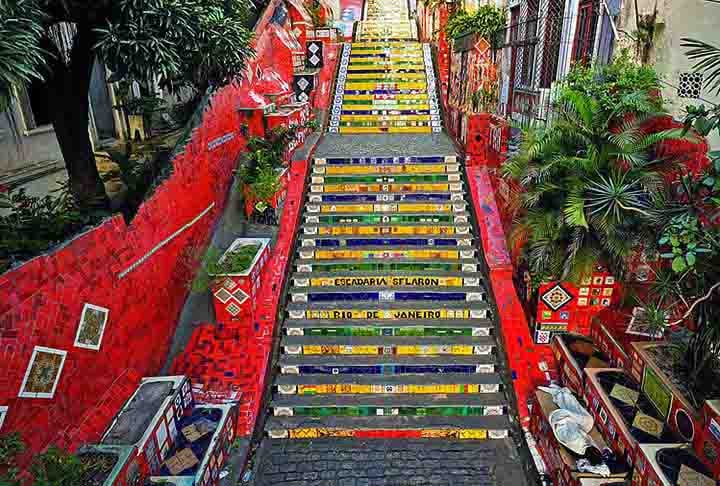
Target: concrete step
479,362
385,77
346,208
355,248
394,341
384,230
404,264
494,401
468,428
398,324
375,177
456,382
384,188
383,294
418,310
385,169
413,218
386,246
384,197
389,279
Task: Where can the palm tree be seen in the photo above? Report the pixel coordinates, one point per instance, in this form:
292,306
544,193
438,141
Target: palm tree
586,187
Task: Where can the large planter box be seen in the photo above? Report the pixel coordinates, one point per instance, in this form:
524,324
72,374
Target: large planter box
234,293
707,442
565,307
700,427
276,202
115,465
623,413
668,465
150,420
560,463
573,353
605,338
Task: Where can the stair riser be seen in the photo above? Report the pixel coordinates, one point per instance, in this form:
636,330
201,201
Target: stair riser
383,411
449,159
386,208
351,242
379,267
388,331
456,350
385,369
368,219
389,296
456,197
452,433
386,254
352,389
385,188
385,230
387,281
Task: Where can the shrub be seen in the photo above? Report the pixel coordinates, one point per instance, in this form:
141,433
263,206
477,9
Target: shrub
485,22
620,87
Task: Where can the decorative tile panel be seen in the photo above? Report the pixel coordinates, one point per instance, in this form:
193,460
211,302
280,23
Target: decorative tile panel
91,327
43,373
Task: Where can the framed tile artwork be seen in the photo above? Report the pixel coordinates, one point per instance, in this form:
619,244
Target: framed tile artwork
43,373
91,327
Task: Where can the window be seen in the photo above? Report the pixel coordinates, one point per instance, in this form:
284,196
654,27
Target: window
34,105
585,31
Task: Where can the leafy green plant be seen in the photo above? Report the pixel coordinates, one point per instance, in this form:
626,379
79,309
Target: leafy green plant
56,467
34,224
216,263
622,86
20,53
260,168
686,240
707,61
485,99
586,182
174,44
11,445
486,21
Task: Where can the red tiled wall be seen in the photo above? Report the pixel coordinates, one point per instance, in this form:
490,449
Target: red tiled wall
42,300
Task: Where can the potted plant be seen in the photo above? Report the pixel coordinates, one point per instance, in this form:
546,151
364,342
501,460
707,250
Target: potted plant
233,277
585,187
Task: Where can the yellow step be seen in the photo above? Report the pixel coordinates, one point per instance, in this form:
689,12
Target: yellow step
386,107
390,169
371,97
352,75
358,130
373,86
379,208
381,118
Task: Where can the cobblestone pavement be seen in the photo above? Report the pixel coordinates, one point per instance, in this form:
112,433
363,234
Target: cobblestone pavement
388,462
395,145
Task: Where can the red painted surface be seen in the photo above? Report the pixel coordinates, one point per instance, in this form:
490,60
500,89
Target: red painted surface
140,272
524,357
230,359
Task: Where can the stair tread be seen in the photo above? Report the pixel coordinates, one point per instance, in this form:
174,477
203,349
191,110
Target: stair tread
450,340
493,422
384,359
403,224
344,289
450,323
420,261
385,305
390,400
403,379
392,273
393,247
392,214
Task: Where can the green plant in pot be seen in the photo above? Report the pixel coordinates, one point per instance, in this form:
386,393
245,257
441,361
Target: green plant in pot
586,184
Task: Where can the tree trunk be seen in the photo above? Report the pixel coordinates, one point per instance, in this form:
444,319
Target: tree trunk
68,88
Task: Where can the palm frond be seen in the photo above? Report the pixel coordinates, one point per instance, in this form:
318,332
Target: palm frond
707,57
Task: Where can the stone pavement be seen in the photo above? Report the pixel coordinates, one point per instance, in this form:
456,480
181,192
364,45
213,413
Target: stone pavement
388,462
395,145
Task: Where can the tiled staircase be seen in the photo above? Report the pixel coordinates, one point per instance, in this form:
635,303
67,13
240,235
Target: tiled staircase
386,82
388,325
389,371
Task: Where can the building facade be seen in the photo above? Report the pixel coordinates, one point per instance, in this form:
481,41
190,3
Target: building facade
545,37
27,137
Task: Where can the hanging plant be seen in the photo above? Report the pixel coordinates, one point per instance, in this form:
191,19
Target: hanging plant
485,22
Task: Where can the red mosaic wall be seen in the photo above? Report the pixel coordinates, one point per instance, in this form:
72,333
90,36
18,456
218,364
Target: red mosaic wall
140,272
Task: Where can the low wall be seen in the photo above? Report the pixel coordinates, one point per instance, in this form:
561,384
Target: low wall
139,272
